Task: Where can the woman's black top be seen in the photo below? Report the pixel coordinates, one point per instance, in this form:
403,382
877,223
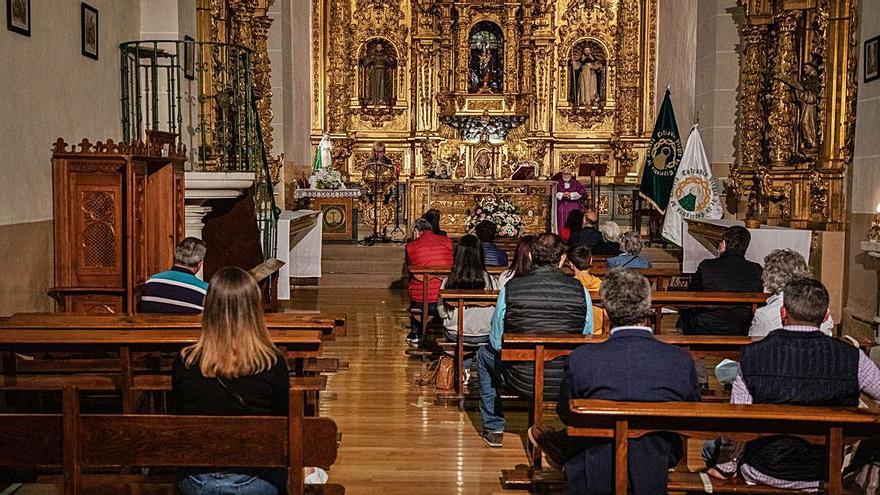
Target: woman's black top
262,394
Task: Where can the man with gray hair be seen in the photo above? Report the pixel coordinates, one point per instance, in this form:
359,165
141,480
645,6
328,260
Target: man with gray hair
178,290
630,366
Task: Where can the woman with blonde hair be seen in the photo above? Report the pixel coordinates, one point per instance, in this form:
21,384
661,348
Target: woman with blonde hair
233,370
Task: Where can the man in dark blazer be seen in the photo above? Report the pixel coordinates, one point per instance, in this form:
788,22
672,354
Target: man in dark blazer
588,236
630,366
729,272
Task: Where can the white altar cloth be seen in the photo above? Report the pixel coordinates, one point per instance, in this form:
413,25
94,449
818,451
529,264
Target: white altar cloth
303,259
764,240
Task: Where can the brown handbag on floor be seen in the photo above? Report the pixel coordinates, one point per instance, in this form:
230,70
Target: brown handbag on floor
439,373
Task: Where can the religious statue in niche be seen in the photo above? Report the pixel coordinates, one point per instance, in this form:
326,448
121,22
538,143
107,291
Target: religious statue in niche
486,69
483,164
586,74
378,66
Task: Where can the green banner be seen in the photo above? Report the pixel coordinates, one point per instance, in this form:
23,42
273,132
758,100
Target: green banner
663,157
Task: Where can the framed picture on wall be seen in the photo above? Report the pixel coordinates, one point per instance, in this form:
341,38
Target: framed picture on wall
89,16
872,59
18,16
189,58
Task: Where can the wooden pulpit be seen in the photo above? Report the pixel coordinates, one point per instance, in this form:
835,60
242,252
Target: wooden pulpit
118,215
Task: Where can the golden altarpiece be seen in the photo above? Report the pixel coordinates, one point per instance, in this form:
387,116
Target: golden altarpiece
796,110
462,93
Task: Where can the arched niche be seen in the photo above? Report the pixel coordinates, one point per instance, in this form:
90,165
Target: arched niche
377,73
486,58
586,70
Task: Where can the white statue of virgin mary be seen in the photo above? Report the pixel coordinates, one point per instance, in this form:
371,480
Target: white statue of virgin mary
323,158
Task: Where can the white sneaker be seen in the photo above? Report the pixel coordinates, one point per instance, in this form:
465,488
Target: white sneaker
467,376
318,477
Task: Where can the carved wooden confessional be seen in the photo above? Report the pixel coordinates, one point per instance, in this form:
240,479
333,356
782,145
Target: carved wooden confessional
118,211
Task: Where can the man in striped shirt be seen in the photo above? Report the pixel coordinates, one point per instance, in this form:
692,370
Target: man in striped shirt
178,290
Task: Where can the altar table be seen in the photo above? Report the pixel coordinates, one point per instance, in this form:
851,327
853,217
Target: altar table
456,199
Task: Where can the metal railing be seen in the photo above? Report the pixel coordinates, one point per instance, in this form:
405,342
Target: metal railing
203,92
199,90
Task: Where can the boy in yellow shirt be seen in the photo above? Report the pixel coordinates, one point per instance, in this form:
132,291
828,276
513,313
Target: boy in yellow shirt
580,259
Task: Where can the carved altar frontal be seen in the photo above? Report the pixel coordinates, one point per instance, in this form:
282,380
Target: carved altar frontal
472,89
457,199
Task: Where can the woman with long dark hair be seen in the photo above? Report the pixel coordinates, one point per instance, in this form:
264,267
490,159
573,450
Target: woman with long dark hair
468,272
522,261
573,224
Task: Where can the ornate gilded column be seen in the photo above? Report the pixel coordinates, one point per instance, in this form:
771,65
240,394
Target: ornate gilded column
511,49
242,21
262,78
461,61
752,117
338,51
629,76
782,119
446,37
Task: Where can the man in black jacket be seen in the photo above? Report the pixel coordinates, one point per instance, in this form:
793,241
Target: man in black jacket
545,301
630,366
729,272
588,236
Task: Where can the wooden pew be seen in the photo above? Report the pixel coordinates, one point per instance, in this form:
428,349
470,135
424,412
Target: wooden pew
659,299
326,323
659,278
540,349
77,442
620,421
122,374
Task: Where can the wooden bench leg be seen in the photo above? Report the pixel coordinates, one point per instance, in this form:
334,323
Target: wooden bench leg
621,450
834,444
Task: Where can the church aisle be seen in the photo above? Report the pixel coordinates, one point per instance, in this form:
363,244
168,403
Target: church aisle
394,439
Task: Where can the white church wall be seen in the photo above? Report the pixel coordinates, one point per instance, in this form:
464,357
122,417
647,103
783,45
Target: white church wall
864,188
50,90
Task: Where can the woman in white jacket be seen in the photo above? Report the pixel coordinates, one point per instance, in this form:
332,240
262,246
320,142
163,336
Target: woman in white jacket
781,266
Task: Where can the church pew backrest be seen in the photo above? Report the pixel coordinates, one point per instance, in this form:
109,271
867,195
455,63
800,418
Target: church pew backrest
621,421
541,348
80,441
327,323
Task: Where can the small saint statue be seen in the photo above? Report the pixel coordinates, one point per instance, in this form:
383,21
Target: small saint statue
377,88
568,196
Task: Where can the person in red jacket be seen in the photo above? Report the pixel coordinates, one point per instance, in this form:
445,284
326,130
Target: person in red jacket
426,249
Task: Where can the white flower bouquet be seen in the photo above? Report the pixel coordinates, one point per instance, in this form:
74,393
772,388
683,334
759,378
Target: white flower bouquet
500,211
328,178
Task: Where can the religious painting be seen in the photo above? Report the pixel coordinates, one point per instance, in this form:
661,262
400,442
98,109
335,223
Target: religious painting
586,74
872,59
189,57
483,163
378,69
89,19
18,16
486,67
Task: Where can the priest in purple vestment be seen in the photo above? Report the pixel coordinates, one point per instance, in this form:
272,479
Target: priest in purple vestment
568,196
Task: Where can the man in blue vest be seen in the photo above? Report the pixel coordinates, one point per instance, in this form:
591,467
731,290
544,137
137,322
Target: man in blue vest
796,364
178,290
545,301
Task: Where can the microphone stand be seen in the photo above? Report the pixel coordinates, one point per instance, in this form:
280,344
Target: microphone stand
373,239
397,233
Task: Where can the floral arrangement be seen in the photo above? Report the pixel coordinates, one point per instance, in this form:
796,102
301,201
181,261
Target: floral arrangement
328,178
500,211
